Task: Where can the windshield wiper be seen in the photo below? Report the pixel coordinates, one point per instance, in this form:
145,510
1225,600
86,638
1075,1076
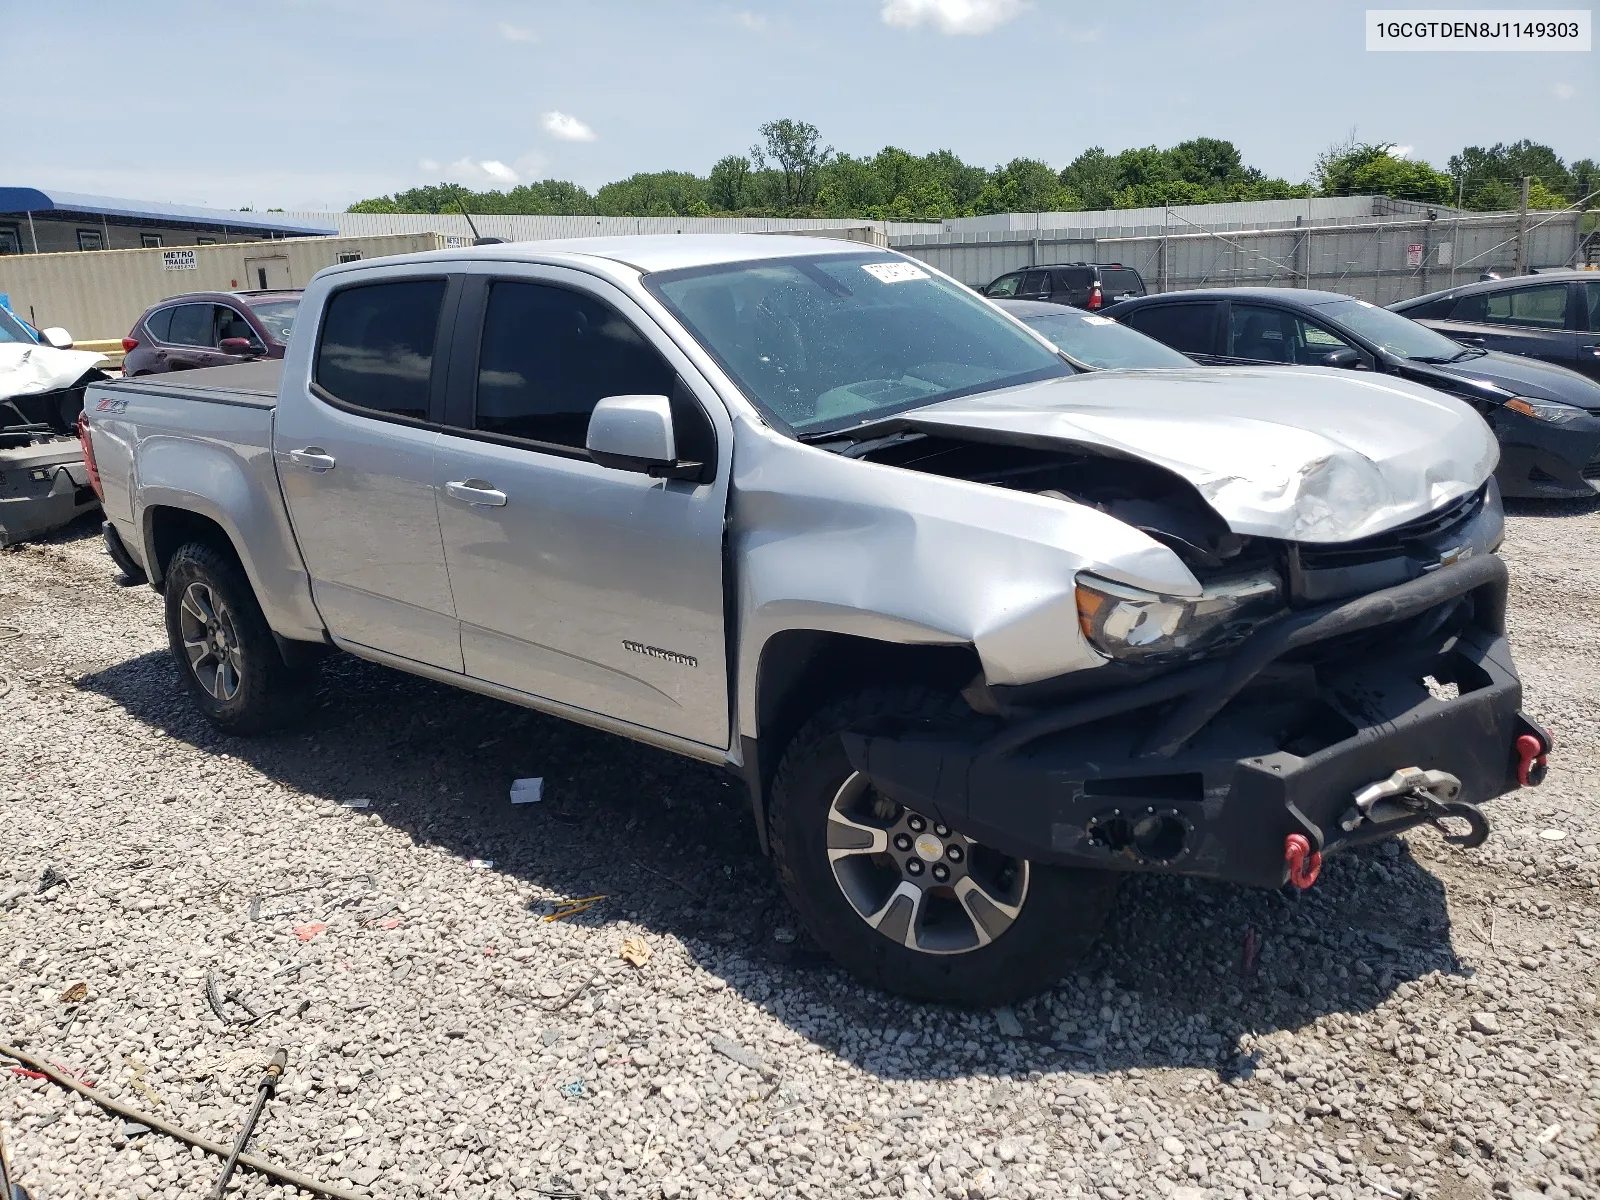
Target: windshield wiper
1470,352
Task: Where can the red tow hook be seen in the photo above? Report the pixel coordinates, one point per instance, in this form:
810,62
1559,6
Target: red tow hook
1305,864
1533,761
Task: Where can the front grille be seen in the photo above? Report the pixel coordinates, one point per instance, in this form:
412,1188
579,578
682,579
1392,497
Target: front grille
1391,543
1591,469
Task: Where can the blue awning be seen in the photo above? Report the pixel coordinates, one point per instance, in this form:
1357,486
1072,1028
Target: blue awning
22,200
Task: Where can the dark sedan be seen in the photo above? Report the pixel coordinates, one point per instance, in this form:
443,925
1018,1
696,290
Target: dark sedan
209,329
1546,418
1090,340
1554,315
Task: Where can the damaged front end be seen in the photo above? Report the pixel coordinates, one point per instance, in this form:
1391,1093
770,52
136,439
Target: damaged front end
1313,695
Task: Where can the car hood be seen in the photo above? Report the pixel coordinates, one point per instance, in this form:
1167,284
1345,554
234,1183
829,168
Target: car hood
1308,454
26,370
1531,377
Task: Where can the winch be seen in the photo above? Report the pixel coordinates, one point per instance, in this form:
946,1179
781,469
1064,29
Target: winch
1411,792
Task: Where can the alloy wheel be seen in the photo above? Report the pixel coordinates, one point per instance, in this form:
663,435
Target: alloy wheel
211,642
916,881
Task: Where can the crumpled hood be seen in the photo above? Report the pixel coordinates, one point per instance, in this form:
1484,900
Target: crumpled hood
26,369
1308,454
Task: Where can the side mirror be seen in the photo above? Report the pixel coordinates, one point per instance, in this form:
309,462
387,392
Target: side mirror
1344,356
57,337
634,433
243,347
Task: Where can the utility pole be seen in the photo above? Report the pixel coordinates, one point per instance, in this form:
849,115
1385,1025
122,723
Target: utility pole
1520,267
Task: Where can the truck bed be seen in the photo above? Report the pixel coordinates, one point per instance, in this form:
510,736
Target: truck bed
253,384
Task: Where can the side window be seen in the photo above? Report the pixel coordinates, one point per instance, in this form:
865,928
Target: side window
231,324
1034,282
1470,308
376,349
1185,327
1434,310
1078,280
160,324
191,326
1535,307
1006,285
1119,282
1591,305
548,355
1272,335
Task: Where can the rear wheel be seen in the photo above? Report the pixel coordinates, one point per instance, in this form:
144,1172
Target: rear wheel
225,651
909,904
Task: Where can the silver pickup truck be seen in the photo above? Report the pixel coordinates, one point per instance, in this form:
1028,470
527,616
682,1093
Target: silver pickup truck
982,632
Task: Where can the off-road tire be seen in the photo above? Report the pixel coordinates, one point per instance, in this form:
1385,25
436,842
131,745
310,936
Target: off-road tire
1063,912
270,692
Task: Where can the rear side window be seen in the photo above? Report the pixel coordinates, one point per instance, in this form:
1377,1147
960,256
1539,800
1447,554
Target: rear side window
192,325
549,355
1591,305
1434,310
160,324
376,350
1078,279
1035,283
1186,327
1120,281
1534,307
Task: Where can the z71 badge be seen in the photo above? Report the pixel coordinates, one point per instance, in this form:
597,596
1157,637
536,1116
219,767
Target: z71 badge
111,404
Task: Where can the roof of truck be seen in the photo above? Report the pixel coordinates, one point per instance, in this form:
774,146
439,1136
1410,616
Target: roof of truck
650,252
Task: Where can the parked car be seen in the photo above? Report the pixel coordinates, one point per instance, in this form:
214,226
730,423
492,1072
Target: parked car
1547,418
1554,315
1083,285
981,634
209,329
1090,340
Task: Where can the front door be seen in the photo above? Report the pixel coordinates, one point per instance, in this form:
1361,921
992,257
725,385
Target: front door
267,274
592,586
356,453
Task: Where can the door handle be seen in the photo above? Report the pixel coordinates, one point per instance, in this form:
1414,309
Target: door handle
312,458
476,492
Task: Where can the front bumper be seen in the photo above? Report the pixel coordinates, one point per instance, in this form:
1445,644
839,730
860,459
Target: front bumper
1540,460
1211,779
42,487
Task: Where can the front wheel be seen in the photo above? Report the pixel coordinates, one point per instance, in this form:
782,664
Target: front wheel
904,902
225,651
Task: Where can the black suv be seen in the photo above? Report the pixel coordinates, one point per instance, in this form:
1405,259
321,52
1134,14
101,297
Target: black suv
1083,285
1554,315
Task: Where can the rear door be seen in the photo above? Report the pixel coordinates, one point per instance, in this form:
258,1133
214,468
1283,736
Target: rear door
1076,283
591,586
1119,283
1587,358
1035,286
191,338
1529,320
356,452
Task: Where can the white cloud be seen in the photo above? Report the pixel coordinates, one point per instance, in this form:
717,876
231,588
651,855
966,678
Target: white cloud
754,22
428,164
1563,91
1400,151
566,128
950,16
513,33
498,170
486,172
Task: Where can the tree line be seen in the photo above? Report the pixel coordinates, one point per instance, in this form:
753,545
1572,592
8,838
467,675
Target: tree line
789,172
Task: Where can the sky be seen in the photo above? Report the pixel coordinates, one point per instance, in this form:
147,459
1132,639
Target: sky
313,104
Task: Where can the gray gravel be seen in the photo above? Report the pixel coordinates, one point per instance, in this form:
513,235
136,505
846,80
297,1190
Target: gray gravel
1423,1022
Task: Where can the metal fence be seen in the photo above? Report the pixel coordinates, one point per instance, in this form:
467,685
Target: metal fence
1377,260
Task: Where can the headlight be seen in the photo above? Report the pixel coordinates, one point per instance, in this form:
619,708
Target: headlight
1134,625
1545,410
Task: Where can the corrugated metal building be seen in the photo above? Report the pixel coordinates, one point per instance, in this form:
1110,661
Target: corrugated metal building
99,296
539,228
35,221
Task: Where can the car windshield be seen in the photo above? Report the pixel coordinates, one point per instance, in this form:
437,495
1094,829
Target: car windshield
826,342
1392,332
1099,341
11,329
277,316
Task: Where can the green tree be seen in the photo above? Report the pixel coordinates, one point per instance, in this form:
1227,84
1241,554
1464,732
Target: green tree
795,146
1492,179
1025,185
728,187
654,194
1354,169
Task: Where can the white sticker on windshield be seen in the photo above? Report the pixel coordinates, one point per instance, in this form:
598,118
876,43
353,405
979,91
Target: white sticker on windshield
894,272
1091,319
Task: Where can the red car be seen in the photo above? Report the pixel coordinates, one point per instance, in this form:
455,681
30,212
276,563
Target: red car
209,329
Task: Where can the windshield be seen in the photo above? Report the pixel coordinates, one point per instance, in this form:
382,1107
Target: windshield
11,329
277,316
826,342
1100,341
1390,331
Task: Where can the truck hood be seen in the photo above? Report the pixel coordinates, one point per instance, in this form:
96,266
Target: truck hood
26,369
1307,454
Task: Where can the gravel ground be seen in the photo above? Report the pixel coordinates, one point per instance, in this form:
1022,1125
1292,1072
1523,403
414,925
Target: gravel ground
1423,1022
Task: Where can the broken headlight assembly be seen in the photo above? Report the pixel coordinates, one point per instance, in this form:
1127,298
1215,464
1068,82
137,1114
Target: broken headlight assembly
1133,625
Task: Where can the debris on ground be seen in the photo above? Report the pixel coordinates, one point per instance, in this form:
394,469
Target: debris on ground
76,994
527,791
636,951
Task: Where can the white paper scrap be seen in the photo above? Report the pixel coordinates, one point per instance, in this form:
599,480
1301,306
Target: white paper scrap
527,791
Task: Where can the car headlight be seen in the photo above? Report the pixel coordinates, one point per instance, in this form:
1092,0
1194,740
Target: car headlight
1133,625
1545,410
